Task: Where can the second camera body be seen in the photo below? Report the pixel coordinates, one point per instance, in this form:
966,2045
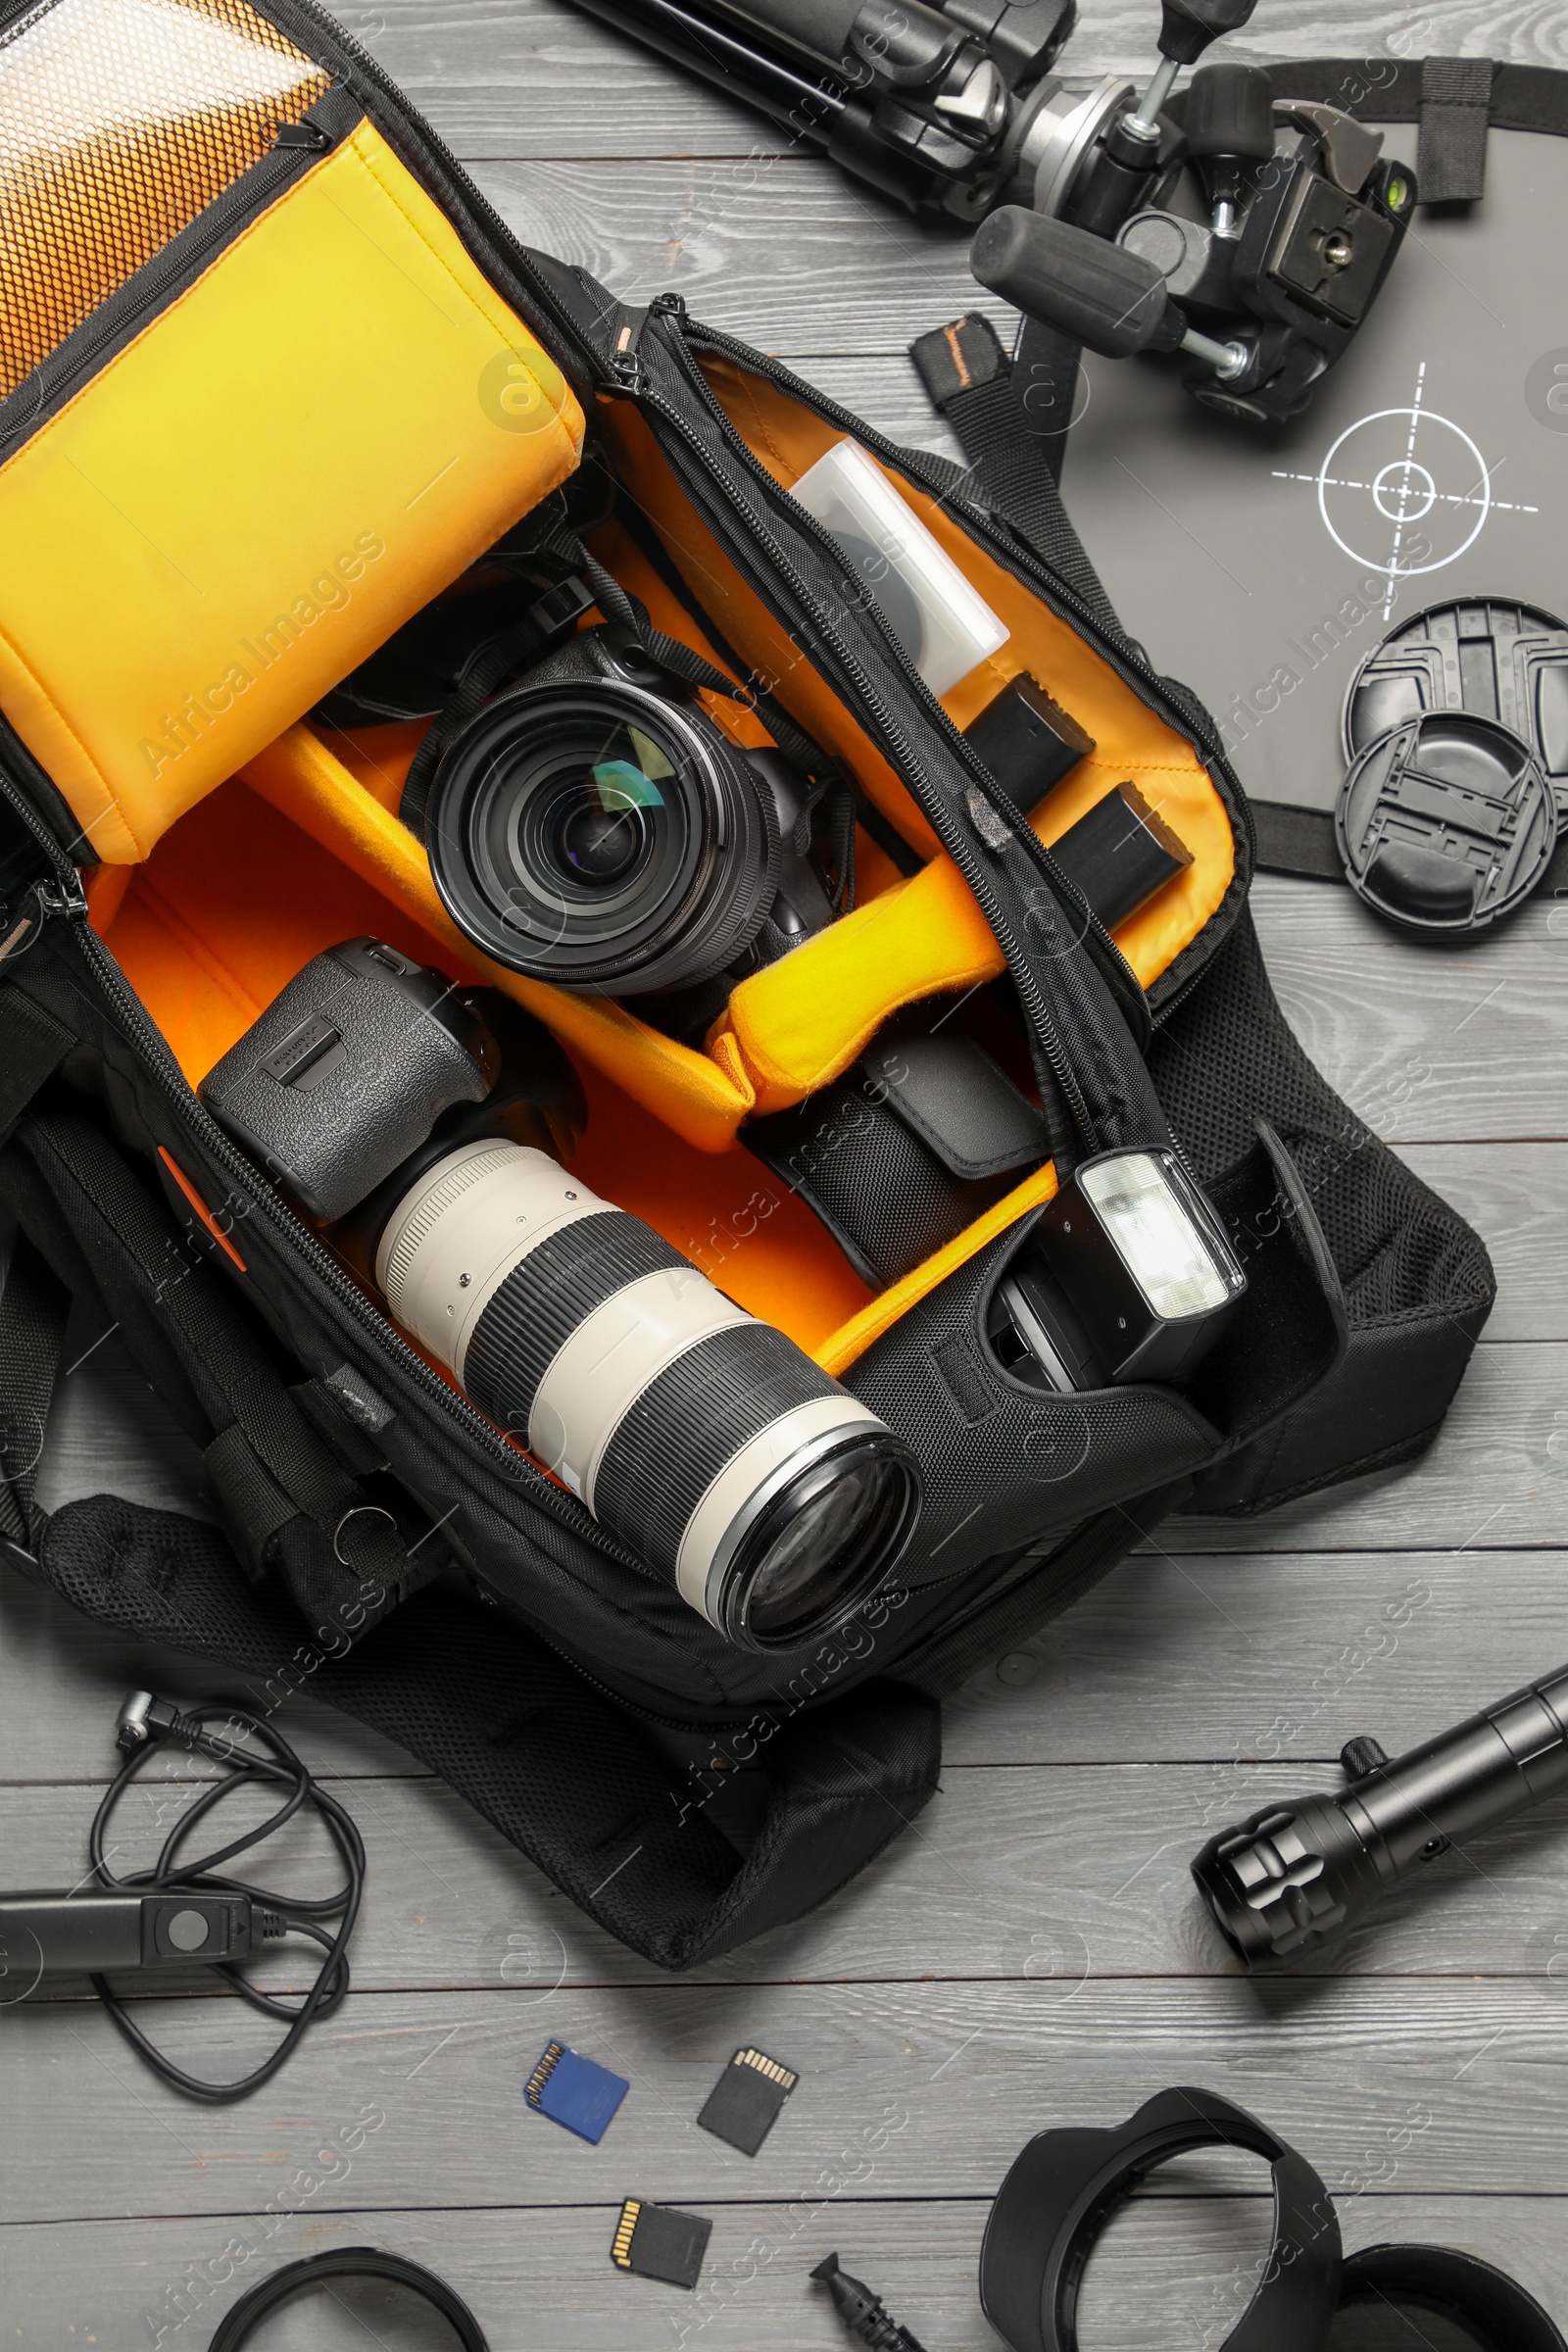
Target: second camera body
708,1442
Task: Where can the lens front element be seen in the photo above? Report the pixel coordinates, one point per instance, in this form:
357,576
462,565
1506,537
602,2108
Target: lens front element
596,834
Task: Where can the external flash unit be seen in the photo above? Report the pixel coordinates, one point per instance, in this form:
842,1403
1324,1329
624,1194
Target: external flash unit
1128,1276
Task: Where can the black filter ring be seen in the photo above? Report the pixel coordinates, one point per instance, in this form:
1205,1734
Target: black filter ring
239,2323
1053,2203
1451,2286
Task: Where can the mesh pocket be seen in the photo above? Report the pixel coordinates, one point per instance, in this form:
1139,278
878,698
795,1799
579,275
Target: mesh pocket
120,121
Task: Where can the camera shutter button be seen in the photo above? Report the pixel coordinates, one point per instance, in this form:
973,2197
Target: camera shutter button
188,1930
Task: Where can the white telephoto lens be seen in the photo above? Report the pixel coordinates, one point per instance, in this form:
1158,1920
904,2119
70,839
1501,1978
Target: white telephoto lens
776,1502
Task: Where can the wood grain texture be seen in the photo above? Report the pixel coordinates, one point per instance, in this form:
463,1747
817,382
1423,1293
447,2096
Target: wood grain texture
1042,1874
1172,1659
974,2066
1031,1953
534,77
539,2280
1167,2277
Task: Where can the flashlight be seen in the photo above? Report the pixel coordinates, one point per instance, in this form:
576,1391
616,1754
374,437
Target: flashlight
1296,1876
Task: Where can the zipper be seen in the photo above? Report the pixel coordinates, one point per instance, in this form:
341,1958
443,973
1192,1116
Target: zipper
72,362
728,514
1000,544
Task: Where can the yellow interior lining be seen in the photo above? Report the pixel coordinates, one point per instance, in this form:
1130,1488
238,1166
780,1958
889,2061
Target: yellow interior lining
288,460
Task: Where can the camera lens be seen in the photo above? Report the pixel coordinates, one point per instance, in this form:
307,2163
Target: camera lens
772,1500
596,834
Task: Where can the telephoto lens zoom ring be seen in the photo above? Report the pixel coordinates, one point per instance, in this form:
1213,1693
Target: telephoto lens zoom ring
546,1296
671,1443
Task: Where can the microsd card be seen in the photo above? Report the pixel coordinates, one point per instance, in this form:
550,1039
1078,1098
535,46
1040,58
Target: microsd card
746,2099
659,2242
574,2091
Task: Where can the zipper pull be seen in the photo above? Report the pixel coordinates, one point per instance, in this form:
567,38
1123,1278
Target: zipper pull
65,896
309,135
624,364
42,900
669,306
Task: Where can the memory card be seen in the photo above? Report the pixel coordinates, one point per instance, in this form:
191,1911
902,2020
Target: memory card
659,2242
743,2103
575,2091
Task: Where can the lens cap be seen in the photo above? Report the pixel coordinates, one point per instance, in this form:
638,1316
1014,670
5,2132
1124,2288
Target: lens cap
1445,824
1500,659
1394,2298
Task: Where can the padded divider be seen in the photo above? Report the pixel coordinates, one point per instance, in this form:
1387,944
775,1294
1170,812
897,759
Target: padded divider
689,1091
294,454
235,899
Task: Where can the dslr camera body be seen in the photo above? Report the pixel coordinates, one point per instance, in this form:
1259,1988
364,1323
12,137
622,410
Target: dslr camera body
594,827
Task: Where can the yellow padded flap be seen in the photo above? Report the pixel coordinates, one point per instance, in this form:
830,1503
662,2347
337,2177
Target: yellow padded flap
334,420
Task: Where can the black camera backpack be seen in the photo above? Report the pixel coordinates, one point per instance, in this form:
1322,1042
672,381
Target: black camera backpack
248,429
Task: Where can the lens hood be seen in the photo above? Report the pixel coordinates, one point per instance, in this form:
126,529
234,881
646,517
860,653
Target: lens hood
1061,2190
1388,2293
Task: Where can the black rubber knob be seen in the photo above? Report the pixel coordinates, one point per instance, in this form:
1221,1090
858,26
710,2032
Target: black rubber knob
1361,1755
1099,294
1230,112
1187,27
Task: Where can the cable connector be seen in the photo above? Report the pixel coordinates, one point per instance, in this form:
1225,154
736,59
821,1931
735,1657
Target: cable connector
144,1717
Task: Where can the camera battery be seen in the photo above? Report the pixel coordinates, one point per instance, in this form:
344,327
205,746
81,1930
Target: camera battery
1028,742
1119,852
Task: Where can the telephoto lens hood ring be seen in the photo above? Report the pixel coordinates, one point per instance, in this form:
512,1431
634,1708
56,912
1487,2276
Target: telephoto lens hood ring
707,886
1060,2191
239,2323
728,1596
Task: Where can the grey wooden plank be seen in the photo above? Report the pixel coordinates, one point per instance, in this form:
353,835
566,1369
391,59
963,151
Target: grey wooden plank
532,77
786,251
1428,1047
1472,2072
1167,2270
1038,1873
1198,1656
1170,1659
1516,1197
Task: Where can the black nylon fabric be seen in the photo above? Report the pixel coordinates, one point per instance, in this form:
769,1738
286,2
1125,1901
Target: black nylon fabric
566,1778
33,1308
85,1209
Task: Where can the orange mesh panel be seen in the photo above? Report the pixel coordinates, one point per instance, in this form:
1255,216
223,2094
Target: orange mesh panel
120,121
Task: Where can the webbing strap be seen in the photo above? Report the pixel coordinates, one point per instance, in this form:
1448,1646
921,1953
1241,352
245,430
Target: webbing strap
988,399
1450,160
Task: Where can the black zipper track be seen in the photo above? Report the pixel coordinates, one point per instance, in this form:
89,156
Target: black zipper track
1055,592
330,43
498,248
70,901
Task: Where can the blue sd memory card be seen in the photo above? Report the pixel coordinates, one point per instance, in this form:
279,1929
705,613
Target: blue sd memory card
574,2091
